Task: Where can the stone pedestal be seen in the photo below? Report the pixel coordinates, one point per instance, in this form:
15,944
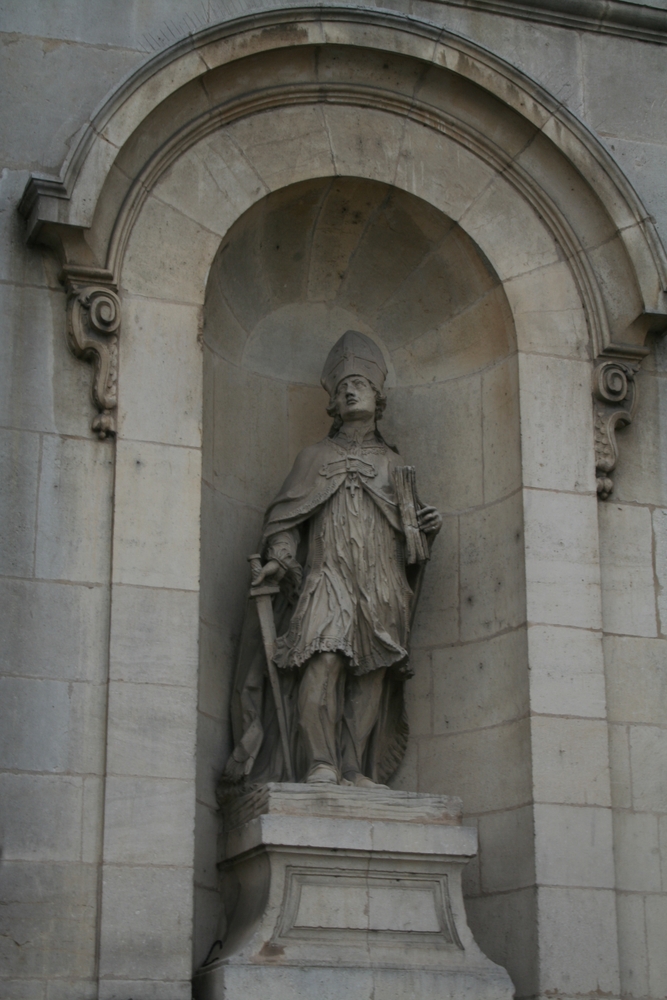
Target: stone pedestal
344,892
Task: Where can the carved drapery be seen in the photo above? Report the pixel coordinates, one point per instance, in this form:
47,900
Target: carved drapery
93,325
615,402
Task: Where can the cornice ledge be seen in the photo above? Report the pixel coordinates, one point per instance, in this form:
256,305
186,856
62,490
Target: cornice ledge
611,17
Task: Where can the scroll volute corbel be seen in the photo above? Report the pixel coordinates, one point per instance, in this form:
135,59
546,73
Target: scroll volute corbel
93,326
615,398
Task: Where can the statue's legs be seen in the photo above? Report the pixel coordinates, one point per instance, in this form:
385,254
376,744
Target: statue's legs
361,707
320,710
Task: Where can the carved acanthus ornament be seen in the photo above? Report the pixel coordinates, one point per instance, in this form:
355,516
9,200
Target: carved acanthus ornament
93,325
615,402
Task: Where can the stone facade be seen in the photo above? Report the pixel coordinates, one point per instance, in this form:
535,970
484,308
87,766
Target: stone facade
199,199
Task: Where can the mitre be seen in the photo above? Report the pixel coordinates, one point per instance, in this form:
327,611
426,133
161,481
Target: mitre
354,354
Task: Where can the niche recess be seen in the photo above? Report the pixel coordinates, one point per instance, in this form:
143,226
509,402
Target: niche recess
299,268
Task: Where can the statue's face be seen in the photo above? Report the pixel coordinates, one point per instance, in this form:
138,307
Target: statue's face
355,398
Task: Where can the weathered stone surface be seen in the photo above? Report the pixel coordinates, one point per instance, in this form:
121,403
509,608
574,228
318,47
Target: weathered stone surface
313,868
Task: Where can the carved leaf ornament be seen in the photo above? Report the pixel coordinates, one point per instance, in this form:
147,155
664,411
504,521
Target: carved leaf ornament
93,321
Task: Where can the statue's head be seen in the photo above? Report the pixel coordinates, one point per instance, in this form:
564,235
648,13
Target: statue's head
354,375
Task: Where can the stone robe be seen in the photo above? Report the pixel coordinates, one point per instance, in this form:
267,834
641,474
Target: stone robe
336,530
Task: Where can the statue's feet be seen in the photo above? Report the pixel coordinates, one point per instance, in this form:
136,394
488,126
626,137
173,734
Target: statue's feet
322,774
361,781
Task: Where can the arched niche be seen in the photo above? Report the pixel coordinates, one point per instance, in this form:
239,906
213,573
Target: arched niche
295,271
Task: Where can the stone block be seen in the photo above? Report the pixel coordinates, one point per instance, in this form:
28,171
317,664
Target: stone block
233,532
578,940
213,183
479,684
632,950
566,671
289,341
51,907
648,762
626,566
19,469
570,761
75,488
146,929
39,67
144,989
662,828
92,821
644,164
37,731
501,430
364,142
156,522
636,851
154,635
151,730
488,768
492,569
430,319
19,264
548,315
22,989
346,211
68,989
302,136
636,681
505,925
660,543
26,388
562,561
556,424
149,821
500,222
40,818
574,846
53,630
214,744
307,418
656,920
507,850
250,435
168,255
641,473
618,102
161,358
457,338
216,665
619,766
459,179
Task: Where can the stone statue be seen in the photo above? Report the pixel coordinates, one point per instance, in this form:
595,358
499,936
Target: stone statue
346,566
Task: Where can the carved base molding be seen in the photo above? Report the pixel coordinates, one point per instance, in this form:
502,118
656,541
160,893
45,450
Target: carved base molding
346,892
93,326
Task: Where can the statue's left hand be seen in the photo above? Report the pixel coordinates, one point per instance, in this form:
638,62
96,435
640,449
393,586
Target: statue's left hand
430,520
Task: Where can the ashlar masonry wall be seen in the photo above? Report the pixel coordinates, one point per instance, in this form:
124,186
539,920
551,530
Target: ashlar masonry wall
76,757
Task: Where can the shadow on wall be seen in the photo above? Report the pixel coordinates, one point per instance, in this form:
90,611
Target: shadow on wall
294,272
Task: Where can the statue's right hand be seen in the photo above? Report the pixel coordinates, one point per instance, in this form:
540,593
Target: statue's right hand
272,568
